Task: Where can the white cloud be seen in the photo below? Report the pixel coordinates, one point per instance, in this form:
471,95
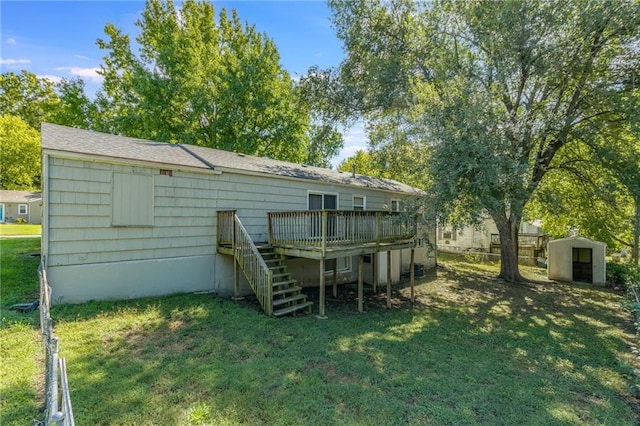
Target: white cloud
11,41
80,56
90,74
11,62
355,139
52,78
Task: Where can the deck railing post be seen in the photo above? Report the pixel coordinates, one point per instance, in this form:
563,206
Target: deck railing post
321,292
324,232
269,290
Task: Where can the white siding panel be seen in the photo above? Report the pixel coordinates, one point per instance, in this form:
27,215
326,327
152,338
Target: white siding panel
80,230
184,205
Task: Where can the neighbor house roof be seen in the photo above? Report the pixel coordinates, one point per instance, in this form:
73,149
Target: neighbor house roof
66,139
9,196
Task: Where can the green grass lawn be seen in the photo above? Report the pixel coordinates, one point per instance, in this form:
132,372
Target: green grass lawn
470,350
11,229
21,352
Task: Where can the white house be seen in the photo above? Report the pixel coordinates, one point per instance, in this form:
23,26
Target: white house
126,218
484,238
577,259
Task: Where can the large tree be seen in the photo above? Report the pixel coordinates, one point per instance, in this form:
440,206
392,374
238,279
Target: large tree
201,81
493,90
27,96
579,193
20,159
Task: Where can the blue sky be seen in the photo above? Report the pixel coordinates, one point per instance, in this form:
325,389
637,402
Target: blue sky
58,39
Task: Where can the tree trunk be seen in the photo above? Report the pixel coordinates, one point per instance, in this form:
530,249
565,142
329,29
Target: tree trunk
508,231
636,234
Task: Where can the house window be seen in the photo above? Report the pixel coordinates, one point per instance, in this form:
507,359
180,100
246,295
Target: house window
132,200
359,203
323,201
446,233
395,205
342,264
327,201
22,209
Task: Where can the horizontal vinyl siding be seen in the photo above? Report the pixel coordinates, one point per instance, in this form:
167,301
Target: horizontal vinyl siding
80,230
184,210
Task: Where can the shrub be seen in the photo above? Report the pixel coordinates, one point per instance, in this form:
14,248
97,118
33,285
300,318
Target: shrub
623,275
21,220
626,276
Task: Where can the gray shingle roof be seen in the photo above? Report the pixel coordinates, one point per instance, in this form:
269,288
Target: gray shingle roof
9,196
60,138
67,139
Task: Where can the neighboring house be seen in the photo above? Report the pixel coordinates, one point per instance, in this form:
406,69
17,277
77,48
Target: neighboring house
484,238
577,259
128,218
24,205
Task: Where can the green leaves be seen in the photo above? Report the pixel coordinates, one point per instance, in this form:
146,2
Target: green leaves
489,92
27,96
20,159
196,81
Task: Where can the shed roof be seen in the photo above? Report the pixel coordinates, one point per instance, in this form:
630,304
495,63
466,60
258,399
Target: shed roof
9,196
577,240
70,140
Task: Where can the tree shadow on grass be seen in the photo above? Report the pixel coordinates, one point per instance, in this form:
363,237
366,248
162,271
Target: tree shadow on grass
469,350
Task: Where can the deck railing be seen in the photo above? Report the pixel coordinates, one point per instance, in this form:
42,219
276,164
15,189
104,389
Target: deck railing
332,228
525,240
258,274
225,227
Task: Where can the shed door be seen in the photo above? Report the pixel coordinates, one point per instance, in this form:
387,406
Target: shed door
582,265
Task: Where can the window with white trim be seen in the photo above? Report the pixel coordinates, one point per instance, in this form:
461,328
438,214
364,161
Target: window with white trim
327,201
23,209
395,205
131,200
359,203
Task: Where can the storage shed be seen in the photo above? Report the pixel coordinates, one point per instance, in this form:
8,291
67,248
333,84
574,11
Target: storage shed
577,259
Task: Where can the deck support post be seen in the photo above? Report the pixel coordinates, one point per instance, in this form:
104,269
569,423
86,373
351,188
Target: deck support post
236,266
360,286
374,267
321,312
389,279
335,278
412,274
236,283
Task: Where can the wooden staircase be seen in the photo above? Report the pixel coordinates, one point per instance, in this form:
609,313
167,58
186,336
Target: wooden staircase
287,296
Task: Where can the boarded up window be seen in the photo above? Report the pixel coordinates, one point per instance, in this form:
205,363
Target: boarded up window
132,200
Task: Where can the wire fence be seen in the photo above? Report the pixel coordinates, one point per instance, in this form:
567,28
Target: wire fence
58,410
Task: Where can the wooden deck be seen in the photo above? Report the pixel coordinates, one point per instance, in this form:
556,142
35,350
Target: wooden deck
329,234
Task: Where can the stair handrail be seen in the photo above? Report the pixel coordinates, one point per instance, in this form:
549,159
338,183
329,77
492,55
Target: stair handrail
258,274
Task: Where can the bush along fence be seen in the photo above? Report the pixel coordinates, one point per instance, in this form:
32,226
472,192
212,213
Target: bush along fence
58,410
626,277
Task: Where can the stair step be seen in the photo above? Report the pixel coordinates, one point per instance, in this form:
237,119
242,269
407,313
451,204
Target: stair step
294,298
274,267
281,283
286,290
291,309
267,261
281,275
